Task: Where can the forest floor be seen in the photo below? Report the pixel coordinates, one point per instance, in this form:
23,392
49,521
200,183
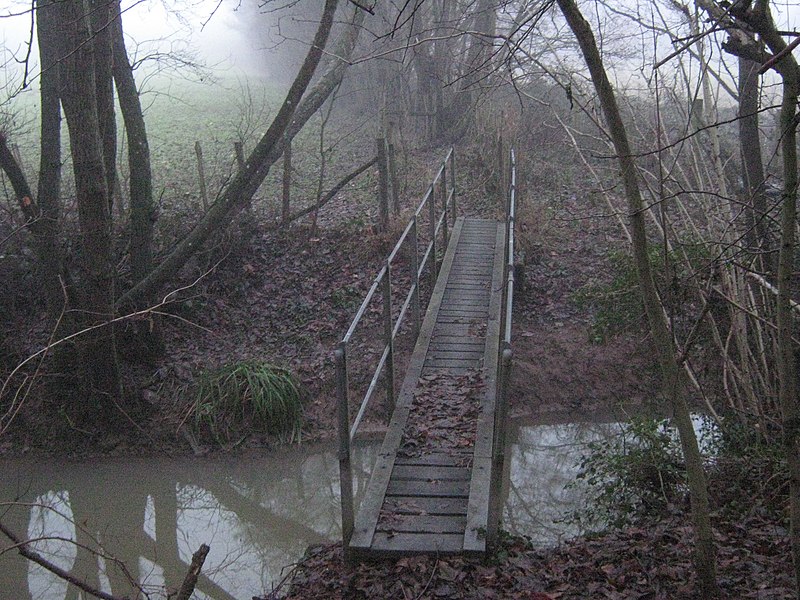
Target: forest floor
287,297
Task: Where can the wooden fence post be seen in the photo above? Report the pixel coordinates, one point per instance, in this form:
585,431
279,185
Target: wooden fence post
287,181
417,305
201,172
394,181
443,187
453,181
383,186
387,333
434,272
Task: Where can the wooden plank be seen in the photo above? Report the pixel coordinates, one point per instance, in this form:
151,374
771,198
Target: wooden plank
481,483
464,343
447,370
459,320
463,353
428,489
414,543
453,363
430,473
474,286
423,524
467,298
477,313
453,343
453,330
369,511
453,458
459,307
409,505
459,340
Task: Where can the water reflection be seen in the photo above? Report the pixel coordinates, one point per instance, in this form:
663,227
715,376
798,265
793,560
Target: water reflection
542,461
258,514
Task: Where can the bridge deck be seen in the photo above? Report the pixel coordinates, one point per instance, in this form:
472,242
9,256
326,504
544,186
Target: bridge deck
429,490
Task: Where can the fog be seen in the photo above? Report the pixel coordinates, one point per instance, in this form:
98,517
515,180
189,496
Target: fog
218,35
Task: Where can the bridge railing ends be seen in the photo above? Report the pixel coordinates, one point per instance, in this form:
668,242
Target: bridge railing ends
437,209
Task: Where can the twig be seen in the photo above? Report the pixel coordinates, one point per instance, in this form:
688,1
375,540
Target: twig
430,580
771,62
39,560
190,581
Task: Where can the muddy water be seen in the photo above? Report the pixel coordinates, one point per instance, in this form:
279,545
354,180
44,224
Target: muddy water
258,513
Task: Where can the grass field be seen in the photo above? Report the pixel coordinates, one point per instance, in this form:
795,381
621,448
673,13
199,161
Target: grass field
180,112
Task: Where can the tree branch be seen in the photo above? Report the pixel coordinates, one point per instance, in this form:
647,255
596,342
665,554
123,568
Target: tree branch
22,548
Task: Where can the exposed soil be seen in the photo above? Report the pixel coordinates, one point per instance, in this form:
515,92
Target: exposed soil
559,373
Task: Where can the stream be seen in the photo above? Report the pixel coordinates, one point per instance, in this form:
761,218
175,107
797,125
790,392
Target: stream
258,512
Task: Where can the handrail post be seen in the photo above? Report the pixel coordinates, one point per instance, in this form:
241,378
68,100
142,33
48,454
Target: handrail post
453,180
415,278
499,443
388,339
345,466
434,271
443,185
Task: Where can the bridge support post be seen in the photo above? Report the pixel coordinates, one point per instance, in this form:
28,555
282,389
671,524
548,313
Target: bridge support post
345,465
434,271
499,445
415,301
453,181
388,339
443,186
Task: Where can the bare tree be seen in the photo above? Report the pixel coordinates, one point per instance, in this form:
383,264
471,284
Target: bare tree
673,386
297,108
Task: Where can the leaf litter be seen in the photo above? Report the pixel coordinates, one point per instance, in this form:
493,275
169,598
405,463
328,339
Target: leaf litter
651,561
444,414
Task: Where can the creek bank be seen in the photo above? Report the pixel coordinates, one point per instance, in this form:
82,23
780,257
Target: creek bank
651,561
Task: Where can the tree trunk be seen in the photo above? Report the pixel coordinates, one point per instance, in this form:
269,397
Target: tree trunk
383,187
49,188
288,122
141,180
787,373
95,271
672,380
102,25
755,223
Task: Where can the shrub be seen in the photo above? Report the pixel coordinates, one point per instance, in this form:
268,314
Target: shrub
637,471
234,400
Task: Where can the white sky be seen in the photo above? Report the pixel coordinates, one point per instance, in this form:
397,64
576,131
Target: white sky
218,43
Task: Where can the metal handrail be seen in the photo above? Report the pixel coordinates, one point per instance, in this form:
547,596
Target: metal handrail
438,222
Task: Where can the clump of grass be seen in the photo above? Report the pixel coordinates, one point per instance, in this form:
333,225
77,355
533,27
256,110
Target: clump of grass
243,397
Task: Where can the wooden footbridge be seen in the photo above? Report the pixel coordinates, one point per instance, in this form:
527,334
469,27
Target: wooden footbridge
435,487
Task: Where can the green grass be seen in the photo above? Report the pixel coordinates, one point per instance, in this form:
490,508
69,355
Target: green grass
237,399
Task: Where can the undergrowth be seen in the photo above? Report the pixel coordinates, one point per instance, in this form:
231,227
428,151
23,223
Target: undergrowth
640,472
241,398
617,305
